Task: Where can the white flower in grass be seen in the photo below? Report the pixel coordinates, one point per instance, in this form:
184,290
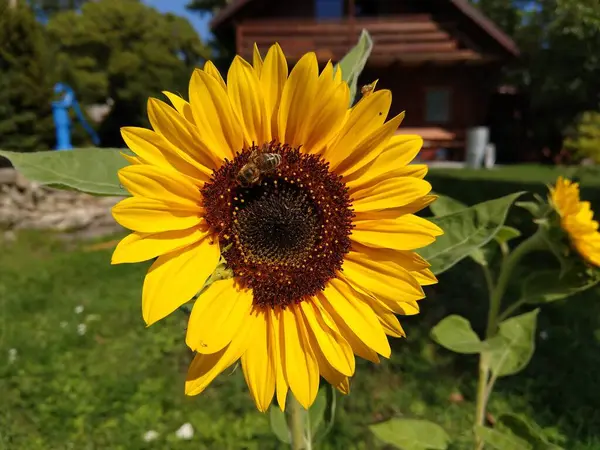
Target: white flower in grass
150,435
79,309
81,329
186,431
12,355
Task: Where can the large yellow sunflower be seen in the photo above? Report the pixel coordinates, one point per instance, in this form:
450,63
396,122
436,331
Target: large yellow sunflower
312,205
576,218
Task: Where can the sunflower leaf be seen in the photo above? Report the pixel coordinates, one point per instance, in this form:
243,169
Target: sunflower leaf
509,351
466,231
455,333
550,285
91,170
445,205
354,62
526,429
501,441
320,429
279,425
411,434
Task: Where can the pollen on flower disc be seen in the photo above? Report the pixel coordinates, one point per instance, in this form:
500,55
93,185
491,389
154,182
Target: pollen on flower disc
286,230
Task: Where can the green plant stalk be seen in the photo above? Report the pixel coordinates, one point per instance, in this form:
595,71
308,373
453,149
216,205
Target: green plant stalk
496,293
296,422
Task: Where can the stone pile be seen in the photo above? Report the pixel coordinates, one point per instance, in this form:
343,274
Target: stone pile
28,205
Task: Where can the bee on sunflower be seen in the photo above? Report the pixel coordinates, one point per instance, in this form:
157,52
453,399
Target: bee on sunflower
311,204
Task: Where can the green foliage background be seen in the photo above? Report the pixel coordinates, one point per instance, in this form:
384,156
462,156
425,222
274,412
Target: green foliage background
25,83
126,51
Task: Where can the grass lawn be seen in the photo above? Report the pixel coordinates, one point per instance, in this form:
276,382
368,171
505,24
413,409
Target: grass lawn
105,388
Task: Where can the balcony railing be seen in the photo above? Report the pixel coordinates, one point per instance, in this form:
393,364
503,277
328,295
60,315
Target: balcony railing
407,38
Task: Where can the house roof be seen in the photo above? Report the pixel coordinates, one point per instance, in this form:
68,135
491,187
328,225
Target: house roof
463,6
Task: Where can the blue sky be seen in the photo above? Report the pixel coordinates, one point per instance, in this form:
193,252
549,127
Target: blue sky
178,7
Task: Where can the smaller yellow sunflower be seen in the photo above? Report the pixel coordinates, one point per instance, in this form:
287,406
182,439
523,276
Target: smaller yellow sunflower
576,218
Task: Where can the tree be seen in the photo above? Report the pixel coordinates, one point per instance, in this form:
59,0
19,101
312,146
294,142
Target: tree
206,6
560,64
126,51
47,8
25,81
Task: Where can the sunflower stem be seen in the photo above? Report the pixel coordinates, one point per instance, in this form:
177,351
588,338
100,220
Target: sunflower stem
297,423
496,293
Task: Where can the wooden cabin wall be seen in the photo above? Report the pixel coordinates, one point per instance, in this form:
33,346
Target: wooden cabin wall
470,92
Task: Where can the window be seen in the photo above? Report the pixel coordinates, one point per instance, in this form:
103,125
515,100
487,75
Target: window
437,105
329,9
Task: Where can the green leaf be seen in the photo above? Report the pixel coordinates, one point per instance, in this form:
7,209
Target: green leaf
411,434
501,441
329,413
526,429
354,62
536,209
279,424
91,170
455,333
510,350
506,234
316,413
550,285
465,231
446,205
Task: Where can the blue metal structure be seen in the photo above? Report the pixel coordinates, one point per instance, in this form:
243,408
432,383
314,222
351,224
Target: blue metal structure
62,120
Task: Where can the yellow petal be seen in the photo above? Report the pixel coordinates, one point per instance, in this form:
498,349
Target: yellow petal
257,363
408,260
217,316
133,160
153,149
369,148
385,280
376,173
214,116
425,277
180,105
300,365
212,70
389,322
365,118
358,346
332,376
342,302
337,74
176,277
408,232
205,368
179,132
257,61
297,98
334,347
161,184
327,116
277,356
389,193
395,213
272,79
153,216
245,92
138,247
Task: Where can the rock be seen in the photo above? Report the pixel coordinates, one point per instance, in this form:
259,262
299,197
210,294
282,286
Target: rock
7,176
29,205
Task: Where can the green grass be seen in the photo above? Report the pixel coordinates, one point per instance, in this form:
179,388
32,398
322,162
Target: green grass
106,388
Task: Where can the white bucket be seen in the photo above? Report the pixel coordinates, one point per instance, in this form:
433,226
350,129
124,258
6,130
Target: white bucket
477,140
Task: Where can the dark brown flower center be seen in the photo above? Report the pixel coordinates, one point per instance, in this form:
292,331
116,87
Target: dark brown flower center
285,220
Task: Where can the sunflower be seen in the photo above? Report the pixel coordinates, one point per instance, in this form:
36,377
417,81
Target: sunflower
576,219
310,203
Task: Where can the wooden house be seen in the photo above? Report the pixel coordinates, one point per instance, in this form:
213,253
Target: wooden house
441,58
